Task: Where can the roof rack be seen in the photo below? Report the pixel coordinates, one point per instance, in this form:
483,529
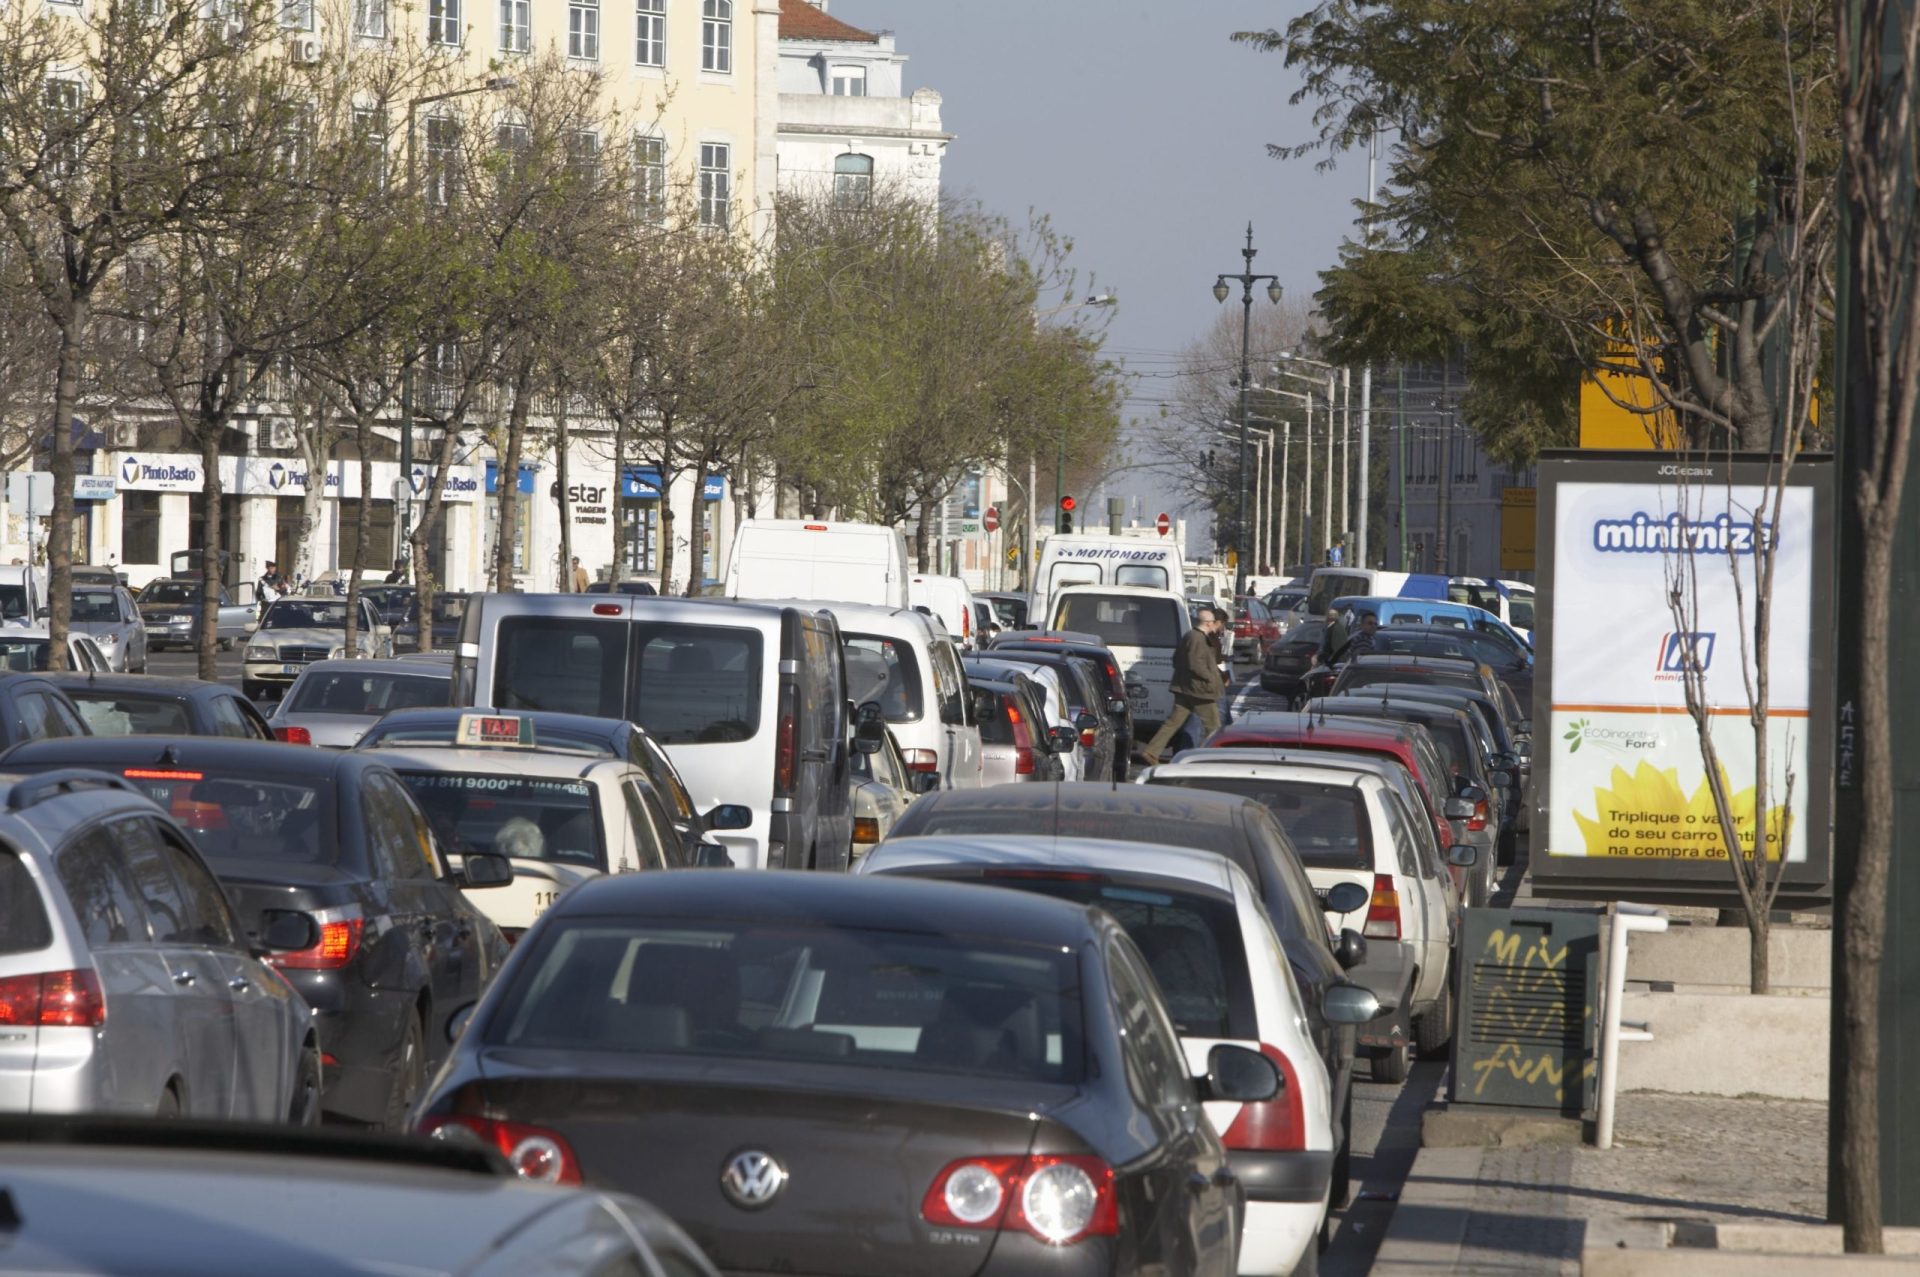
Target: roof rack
67,780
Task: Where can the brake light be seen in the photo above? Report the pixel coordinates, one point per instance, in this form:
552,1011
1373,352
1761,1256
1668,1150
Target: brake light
53,999
293,735
785,750
147,773
608,609
816,527
1022,741
339,941
1275,1125
1383,912
1058,1200
1479,820
920,760
1116,684
1087,737
534,1152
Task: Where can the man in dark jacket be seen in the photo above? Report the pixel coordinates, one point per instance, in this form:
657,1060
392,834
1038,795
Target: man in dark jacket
1196,685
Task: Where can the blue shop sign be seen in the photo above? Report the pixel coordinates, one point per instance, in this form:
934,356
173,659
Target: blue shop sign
493,478
643,482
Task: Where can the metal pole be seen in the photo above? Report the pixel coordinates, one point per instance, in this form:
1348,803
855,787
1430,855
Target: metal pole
1326,500
1361,546
1346,459
1286,447
406,407
1306,497
1400,454
1246,376
1031,539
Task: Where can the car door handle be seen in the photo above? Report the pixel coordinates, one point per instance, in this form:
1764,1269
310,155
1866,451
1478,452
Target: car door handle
183,977
240,984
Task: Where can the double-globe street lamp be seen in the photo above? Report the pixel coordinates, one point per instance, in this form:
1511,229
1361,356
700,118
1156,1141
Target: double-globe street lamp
1221,291
492,84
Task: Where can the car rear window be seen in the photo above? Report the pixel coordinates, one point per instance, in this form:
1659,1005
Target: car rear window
1327,824
23,654
792,991
990,711
23,916
1120,620
899,693
1368,675
119,714
528,817
274,817
366,695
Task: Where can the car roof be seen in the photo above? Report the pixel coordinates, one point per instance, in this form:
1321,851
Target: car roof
1187,864
1292,722
154,684
834,900
547,764
1372,660
1049,640
200,753
1140,591
1365,706
1377,766
1089,795
380,665
611,729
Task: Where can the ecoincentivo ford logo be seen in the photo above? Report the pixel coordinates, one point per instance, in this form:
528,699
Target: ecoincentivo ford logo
1581,731
1643,533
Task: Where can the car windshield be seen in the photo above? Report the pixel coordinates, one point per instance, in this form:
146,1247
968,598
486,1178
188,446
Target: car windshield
13,602
392,604
96,606
792,991
305,614
124,714
1120,620
364,695
1327,824
1520,611
171,592
23,654
527,817
269,817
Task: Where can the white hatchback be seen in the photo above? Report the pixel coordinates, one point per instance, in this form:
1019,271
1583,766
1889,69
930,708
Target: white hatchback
1197,920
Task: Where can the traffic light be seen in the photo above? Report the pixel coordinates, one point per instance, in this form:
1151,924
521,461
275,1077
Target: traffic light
1065,523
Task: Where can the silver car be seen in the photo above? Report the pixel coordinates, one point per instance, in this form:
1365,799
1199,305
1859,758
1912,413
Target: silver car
334,702
128,984
108,616
170,609
293,633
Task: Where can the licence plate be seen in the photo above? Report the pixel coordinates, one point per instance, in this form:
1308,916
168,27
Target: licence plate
291,669
1137,694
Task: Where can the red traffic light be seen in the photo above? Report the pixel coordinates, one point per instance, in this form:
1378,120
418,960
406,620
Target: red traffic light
1067,503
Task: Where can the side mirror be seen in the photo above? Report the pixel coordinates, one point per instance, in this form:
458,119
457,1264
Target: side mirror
1350,950
485,869
457,1022
1470,791
1524,727
1086,721
1502,779
1236,1073
1349,1004
1524,748
287,930
41,614
1463,855
711,855
1346,897
1458,809
1115,705
1503,762
1063,738
730,816
924,782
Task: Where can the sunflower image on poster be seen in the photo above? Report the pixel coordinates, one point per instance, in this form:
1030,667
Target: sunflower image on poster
1648,812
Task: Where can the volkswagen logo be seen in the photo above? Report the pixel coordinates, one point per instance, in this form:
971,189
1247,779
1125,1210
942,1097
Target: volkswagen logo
752,1179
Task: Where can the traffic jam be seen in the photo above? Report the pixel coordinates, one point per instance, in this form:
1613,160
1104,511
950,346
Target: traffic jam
851,922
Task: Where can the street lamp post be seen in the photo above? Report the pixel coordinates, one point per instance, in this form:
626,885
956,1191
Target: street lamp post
492,84
1221,291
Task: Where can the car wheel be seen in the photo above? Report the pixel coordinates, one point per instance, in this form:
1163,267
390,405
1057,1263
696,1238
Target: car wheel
409,1074
1340,1183
251,690
1391,1065
304,1110
1433,1032
169,1106
223,645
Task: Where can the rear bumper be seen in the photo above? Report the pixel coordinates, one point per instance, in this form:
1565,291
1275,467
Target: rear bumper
360,1029
1290,1177
1276,1235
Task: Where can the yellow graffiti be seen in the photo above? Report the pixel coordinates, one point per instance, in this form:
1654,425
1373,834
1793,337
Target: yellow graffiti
1530,1005
1505,948
1509,1058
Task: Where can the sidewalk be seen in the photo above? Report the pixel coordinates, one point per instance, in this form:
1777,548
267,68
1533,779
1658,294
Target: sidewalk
1533,1209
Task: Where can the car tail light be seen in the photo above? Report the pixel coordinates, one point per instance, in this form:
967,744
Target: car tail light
534,1152
1088,738
1022,741
866,829
785,750
920,760
1383,913
293,735
339,941
1276,1125
1058,1200
1478,821
608,609
53,999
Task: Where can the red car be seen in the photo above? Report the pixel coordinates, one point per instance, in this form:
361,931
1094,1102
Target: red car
1255,628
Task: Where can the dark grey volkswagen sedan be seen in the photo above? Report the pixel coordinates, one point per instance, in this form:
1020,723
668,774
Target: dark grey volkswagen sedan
856,1076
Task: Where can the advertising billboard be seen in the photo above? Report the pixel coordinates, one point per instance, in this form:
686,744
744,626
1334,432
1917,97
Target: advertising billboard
1623,806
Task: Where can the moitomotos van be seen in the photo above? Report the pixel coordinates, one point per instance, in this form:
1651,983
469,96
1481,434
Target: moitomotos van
748,699
1143,628
1068,559
815,559
948,598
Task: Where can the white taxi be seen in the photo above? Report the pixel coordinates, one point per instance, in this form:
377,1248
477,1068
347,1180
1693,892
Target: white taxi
562,816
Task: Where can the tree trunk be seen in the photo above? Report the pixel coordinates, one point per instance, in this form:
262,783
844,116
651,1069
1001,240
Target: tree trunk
697,535
1759,936
420,537
314,447
560,485
922,533
66,392
362,525
666,530
508,488
618,571
212,501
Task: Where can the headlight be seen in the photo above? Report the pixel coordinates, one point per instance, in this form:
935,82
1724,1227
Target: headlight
339,654
259,653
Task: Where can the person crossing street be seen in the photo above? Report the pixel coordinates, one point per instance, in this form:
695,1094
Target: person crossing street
1196,685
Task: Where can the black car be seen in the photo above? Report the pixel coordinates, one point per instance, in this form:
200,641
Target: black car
863,1076
1436,671
1225,824
33,707
393,603
1112,681
642,588
152,705
448,607
338,836
1288,660
1491,648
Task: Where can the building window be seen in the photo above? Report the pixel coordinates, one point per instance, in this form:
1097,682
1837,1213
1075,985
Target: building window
583,156
139,527
642,519
370,134
650,178
443,22
716,36
516,26
848,82
443,161
65,101
716,184
583,30
370,19
515,143
852,180
650,33
296,15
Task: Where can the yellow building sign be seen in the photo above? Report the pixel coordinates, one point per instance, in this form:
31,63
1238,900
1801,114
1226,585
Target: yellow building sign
1605,423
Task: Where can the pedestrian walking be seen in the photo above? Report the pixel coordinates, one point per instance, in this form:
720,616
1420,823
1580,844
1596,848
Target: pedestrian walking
580,578
1196,686
399,574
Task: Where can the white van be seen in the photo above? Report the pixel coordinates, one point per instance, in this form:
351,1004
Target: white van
748,699
905,660
812,559
1143,628
948,598
1073,559
23,593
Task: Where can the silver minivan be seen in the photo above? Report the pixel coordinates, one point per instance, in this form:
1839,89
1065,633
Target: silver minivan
127,984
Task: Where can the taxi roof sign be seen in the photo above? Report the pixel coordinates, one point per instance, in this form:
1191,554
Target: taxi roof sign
510,730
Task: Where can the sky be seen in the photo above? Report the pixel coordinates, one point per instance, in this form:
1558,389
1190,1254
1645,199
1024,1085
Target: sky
1142,130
